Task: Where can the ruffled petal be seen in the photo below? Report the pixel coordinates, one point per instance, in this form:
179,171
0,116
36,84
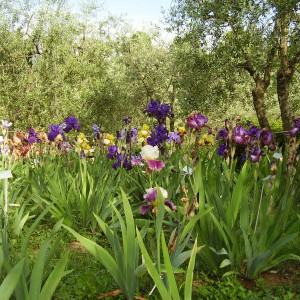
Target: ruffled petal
156,165
144,209
171,205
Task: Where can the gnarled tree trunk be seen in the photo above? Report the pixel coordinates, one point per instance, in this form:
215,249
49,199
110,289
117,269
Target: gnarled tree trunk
286,69
261,85
283,84
259,104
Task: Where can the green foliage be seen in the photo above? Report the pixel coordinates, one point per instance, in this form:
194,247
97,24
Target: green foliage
26,281
76,189
169,290
252,217
257,37
87,280
62,64
228,288
123,266
10,282
231,218
173,254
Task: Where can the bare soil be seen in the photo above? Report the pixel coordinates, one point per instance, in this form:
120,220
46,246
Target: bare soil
289,277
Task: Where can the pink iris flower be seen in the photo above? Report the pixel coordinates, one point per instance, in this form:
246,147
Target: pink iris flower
155,165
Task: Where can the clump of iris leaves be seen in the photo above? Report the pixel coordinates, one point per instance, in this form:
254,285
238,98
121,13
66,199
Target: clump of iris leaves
148,219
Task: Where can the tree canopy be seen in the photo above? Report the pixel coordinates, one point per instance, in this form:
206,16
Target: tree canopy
258,36
225,55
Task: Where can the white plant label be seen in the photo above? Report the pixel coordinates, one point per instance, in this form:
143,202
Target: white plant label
5,174
277,155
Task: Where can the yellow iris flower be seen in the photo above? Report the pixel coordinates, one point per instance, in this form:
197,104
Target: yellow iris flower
108,139
82,143
206,140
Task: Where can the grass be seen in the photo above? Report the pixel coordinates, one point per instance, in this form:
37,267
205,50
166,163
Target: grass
89,280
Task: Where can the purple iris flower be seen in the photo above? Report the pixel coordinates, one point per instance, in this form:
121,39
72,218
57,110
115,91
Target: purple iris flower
223,149
122,158
6,124
240,130
117,164
266,137
239,135
122,134
151,197
136,160
158,136
127,135
294,131
162,131
54,131
175,137
153,140
127,120
32,137
118,135
96,129
254,131
127,163
134,133
159,111
166,110
243,158
71,123
222,134
112,152
152,108
256,154
144,209
196,121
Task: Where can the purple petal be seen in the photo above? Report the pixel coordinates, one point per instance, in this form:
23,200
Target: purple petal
31,139
293,132
256,154
240,130
254,158
116,165
136,161
266,137
52,135
151,194
171,205
238,139
297,122
144,209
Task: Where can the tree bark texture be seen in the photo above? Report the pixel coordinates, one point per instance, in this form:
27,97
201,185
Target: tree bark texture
259,104
285,71
283,84
261,85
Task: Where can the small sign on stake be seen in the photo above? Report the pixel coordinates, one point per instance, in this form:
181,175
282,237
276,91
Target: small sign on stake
5,174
